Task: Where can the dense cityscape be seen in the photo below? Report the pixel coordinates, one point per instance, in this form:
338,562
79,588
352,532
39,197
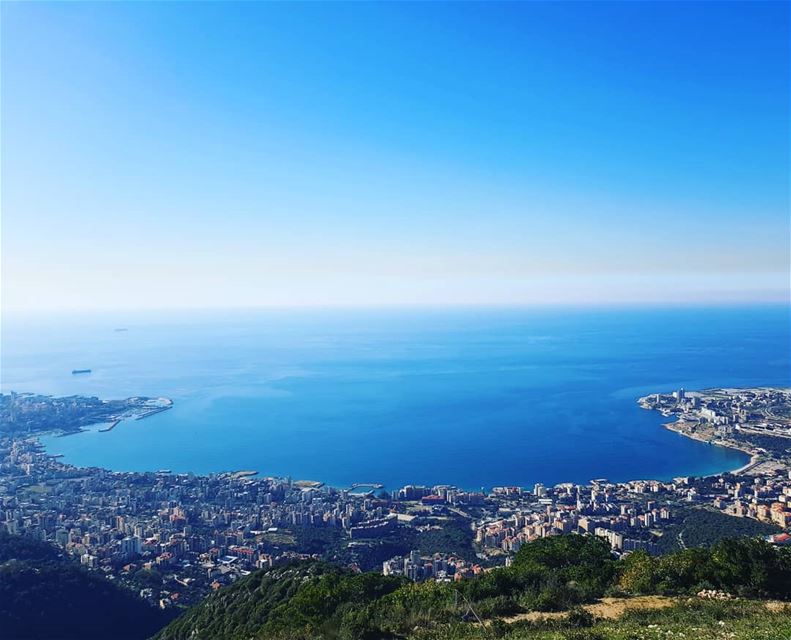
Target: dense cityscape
173,538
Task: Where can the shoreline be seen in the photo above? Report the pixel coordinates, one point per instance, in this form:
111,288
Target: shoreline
151,413
727,417
755,457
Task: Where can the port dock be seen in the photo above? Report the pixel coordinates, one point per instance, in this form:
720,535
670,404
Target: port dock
111,426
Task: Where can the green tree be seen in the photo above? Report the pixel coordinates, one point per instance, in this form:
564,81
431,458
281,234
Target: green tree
637,573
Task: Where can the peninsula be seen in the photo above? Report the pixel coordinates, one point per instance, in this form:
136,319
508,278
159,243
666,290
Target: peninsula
28,414
754,420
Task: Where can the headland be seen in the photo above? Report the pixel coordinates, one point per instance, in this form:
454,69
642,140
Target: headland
756,421
28,413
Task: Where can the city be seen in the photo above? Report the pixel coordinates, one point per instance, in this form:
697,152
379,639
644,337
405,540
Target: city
395,320
173,538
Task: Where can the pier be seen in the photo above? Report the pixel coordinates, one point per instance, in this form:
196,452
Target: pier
110,427
152,412
372,485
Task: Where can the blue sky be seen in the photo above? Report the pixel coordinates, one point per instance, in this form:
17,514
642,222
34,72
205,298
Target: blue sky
183,155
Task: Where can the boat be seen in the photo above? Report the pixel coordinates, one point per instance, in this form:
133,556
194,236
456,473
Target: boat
75,372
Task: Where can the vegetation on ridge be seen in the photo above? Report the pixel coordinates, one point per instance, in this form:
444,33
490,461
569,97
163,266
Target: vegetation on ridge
315,600
43,595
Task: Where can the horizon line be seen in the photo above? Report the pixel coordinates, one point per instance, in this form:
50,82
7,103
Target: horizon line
660,304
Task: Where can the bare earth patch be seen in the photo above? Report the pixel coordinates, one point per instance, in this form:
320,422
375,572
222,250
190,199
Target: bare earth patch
606,608
612,608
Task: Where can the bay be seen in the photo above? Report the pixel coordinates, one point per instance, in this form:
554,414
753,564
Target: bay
475,397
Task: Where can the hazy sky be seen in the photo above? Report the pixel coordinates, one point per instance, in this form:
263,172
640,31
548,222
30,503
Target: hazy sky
211,155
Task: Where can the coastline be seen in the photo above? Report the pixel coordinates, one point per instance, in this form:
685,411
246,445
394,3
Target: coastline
684,427
755,457
165,404
731,417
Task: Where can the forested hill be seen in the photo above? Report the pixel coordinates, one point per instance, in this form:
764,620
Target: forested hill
313,600
309,599
44,596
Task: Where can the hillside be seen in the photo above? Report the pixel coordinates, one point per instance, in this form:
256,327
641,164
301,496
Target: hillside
313,600
703,527
44,596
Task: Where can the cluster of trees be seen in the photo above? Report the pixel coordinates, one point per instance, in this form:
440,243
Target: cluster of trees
704,527
453,537
777,447
740,566
557,573
310,600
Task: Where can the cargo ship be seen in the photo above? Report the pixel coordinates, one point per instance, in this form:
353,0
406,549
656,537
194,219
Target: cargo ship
74,372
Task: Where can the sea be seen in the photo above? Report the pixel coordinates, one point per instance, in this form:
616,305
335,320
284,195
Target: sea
472,397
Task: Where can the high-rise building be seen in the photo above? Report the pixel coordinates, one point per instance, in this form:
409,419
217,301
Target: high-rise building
130,546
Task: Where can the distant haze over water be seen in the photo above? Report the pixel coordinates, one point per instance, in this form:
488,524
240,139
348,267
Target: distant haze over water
472,397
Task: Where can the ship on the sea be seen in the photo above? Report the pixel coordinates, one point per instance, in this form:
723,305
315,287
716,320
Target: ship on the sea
75,372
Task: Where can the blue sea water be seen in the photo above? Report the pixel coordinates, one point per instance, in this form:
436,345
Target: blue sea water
471,397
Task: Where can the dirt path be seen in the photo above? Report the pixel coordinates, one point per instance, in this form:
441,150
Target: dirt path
611,608
606,608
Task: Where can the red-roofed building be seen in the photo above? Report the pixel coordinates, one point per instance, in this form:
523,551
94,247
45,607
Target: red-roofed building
781,539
